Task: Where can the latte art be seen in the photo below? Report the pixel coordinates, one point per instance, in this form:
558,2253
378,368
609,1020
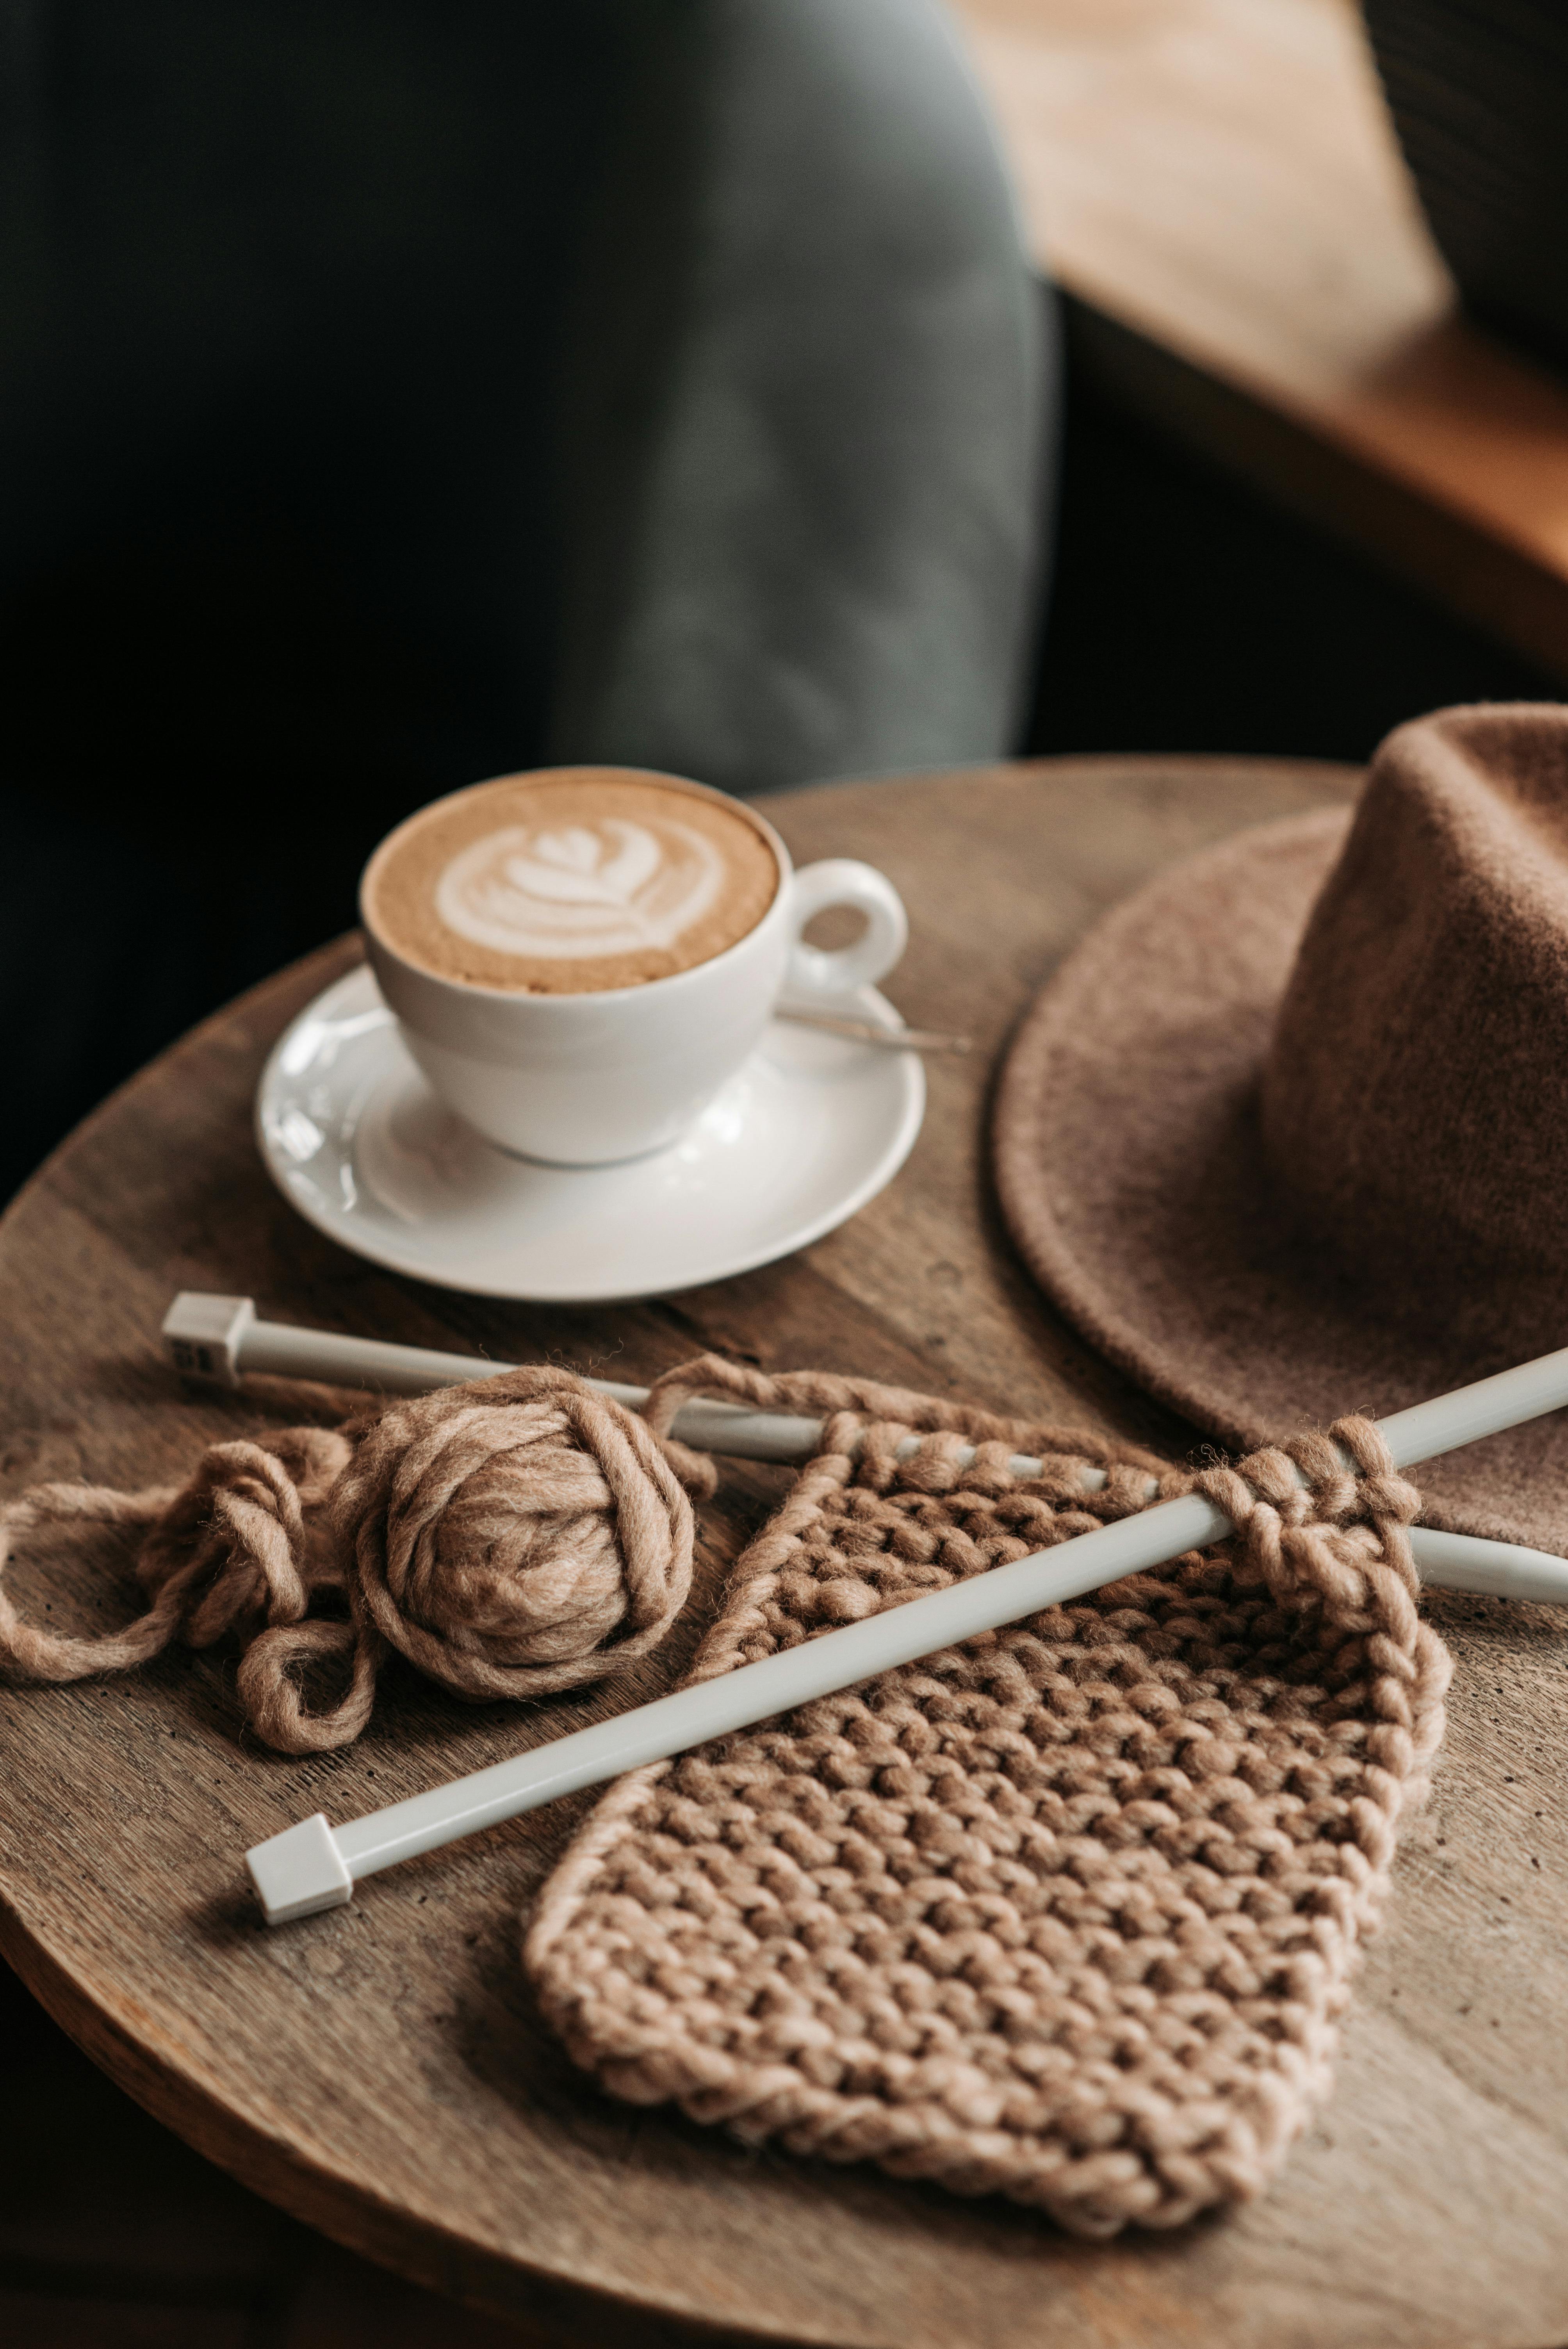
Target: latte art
574,891
574,881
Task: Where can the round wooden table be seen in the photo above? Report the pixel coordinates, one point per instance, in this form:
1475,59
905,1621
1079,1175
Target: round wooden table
381,2071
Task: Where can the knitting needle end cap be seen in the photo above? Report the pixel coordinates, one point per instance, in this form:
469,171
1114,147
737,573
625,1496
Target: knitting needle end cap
204,1335
300,1872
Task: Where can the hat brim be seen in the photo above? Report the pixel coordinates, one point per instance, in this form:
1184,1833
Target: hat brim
1132,1175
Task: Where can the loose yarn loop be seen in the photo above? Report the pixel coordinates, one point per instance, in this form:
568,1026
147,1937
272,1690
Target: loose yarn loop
511,1536
229,1550
1068,1913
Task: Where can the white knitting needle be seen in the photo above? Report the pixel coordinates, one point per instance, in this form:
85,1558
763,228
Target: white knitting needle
314,1866
219,1338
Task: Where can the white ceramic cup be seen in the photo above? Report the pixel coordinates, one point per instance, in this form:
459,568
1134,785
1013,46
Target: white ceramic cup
585,1079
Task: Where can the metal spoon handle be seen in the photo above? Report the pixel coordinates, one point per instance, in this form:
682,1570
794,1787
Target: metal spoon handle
866,1031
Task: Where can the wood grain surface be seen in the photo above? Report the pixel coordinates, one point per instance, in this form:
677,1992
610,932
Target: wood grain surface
380,2072
1217,185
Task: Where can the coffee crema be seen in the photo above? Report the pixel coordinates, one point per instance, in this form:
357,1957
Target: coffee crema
570,882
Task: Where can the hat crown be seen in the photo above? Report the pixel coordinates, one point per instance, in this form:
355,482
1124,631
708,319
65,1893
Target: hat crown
1415,1100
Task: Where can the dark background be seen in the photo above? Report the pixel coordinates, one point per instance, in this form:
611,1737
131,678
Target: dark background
1189,614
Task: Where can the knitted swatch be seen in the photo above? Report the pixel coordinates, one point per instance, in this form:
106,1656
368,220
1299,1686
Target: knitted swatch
1068,1912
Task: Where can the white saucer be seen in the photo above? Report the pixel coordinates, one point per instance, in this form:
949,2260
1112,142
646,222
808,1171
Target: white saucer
809,1130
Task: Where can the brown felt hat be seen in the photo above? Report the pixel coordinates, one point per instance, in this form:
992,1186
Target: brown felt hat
1286,1135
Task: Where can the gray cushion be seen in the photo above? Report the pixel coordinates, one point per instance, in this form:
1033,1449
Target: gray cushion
808,388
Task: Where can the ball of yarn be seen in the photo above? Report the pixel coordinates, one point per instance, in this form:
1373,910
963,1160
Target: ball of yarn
515,1535
510,1537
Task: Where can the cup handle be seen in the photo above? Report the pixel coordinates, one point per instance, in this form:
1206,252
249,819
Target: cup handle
844,881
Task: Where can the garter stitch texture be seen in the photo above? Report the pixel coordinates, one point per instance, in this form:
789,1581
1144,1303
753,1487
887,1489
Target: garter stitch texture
515,1535
1070,1912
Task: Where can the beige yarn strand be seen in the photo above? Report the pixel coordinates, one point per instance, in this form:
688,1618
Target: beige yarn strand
29,1651
512,1536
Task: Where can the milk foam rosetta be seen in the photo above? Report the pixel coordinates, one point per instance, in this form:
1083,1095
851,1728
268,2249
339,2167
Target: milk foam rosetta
609,887
569,881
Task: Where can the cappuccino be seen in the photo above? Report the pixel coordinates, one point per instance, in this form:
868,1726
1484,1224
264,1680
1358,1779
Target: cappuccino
570,882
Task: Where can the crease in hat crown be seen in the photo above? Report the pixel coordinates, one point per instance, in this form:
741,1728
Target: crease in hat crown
1415,1100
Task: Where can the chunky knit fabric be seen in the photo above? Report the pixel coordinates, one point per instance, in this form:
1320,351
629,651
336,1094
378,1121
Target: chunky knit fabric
1068,1912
